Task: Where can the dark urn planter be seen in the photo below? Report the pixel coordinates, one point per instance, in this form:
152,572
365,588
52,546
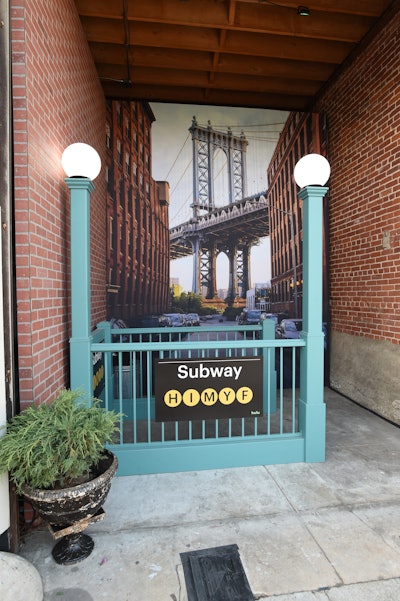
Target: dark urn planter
68,511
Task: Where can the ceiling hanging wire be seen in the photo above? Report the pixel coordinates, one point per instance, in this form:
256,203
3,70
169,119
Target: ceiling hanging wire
128,81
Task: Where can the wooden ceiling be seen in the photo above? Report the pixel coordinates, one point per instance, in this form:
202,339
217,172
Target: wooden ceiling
250,53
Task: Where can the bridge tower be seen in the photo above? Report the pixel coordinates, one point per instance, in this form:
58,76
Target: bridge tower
206,141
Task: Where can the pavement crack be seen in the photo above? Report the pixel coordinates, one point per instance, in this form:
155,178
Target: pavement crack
173,596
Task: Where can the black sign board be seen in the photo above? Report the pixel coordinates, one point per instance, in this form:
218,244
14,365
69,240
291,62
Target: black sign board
208,388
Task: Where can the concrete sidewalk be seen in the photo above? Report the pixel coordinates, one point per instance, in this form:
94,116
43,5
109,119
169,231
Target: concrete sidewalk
306,532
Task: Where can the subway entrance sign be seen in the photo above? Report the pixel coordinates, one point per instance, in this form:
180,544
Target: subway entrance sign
208,388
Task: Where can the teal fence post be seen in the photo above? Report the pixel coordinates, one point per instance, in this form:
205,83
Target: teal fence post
105,326
312,410
269,375
81,368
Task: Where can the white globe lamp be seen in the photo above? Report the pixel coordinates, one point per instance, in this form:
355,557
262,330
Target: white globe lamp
312,170
81,160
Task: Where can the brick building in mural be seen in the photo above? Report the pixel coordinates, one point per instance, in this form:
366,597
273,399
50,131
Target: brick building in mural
137,216
303,133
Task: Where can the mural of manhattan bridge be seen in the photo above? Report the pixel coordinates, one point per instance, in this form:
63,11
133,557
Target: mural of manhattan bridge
185,201
215,162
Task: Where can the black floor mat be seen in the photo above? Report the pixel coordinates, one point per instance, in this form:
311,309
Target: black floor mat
215,574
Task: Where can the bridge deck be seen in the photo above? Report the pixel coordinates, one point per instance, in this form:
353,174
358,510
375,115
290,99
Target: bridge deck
245,221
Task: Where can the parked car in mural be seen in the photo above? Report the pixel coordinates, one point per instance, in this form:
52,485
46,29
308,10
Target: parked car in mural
187,320
293,331
273,316
177,319
251,317
289,328
325,331
193,318
152,321
119,324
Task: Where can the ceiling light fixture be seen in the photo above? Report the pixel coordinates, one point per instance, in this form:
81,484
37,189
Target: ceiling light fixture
303,11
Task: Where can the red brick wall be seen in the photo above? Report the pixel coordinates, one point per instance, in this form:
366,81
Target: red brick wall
137,219
363,115
57,100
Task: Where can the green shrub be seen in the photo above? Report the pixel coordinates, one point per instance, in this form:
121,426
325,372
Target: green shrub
52,445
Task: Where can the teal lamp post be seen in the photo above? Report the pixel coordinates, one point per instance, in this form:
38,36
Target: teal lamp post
311,174
82,165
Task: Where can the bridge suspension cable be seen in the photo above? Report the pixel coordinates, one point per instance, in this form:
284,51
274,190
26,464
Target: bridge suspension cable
178,210
176,158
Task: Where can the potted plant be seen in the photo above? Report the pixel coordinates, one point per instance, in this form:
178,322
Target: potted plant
55,455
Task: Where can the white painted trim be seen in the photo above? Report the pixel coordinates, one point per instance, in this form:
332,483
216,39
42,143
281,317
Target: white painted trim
4,494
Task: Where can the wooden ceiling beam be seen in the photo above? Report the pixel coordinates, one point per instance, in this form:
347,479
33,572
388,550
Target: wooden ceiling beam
355,7
169,78
152,58
257,53
321,26
209,41
275,67
231,11
154,93
289,48
211,11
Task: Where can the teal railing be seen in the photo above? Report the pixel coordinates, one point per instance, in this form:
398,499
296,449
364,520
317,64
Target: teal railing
124,378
